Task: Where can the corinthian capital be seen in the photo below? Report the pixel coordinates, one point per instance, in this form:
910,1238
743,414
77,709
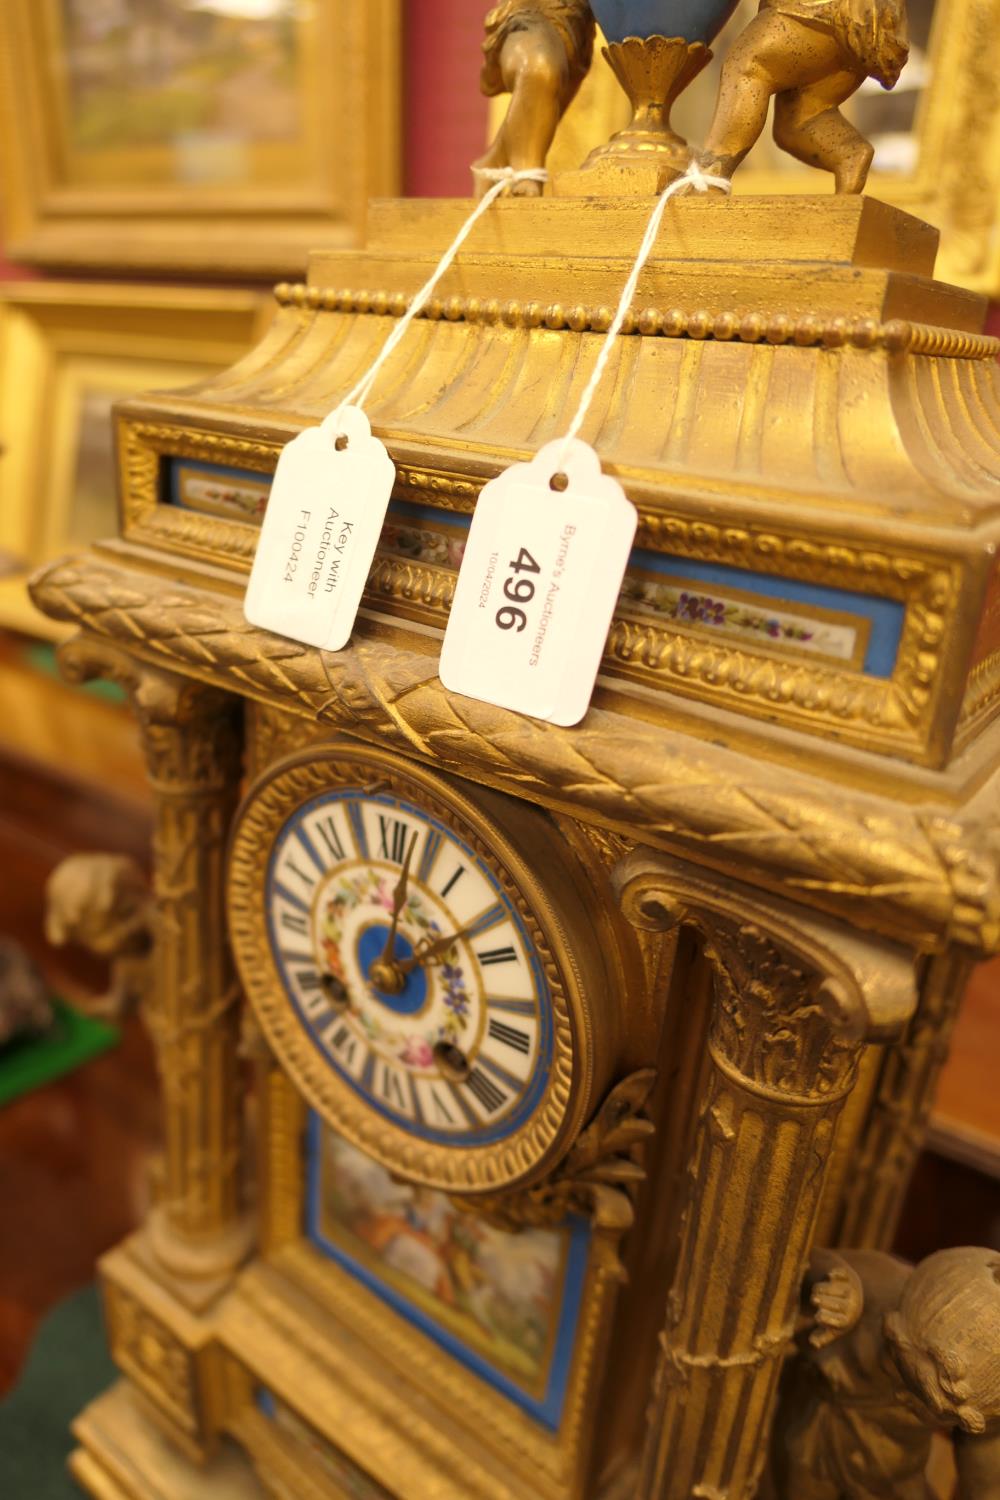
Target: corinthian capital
796,994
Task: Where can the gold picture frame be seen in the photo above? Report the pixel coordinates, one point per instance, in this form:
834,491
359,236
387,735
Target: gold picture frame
231,138
67,352
949,157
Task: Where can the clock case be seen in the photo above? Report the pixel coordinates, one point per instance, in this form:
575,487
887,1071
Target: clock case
410,1414
802,415
376,1394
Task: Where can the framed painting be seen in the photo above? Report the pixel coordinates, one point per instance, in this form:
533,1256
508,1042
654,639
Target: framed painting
227,136
936,135
67,353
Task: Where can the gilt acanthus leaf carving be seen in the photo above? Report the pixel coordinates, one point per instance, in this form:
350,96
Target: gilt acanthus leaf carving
599,1176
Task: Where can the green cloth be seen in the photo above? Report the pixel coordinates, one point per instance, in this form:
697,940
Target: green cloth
28,1062
43,658
68,1366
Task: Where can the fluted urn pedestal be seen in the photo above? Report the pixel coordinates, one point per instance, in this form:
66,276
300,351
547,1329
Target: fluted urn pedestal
655,50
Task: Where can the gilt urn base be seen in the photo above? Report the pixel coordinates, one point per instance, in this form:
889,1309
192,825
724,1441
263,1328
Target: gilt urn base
655,49
654,71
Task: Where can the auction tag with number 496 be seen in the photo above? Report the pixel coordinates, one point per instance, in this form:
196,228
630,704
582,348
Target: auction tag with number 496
538,585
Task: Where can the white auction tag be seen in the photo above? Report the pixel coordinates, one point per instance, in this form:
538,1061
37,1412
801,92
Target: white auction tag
322,524
538,584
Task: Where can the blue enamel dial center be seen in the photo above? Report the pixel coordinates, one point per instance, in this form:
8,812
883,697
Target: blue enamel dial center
413,996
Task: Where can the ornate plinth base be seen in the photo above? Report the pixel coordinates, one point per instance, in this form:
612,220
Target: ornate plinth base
124,1456
617,177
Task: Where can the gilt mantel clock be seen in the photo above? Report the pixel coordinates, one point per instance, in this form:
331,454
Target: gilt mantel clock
511,1072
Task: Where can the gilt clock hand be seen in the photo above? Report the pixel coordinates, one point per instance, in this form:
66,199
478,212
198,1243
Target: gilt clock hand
398,900
427,951
386,972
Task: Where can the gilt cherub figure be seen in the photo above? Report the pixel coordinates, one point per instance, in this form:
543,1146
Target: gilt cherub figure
889,1355
810,56
538,51
102,902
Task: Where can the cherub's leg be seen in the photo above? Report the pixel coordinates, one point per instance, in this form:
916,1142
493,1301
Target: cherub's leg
774,53
809,125
534,67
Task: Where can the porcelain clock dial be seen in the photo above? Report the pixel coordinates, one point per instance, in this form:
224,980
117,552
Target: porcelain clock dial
408,965
409,971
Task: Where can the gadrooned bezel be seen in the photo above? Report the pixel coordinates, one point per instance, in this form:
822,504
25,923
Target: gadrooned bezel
551,909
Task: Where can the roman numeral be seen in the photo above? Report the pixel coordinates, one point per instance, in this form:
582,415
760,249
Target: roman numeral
327,831
393,846
306,878
339,1038
314,1001
485,1090
391,1089
295,923
432,844
443,1111
358,828
511,1036
453,881
497,956
490,917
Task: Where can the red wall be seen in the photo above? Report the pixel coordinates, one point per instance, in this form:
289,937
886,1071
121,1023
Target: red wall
10,272
445,114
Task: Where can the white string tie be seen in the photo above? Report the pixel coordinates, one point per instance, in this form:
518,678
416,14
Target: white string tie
509,174
701,182
502,178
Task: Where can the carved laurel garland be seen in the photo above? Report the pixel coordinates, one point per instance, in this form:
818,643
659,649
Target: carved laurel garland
899,869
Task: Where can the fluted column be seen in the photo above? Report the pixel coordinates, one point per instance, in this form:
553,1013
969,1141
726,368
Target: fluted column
191,734
795,1000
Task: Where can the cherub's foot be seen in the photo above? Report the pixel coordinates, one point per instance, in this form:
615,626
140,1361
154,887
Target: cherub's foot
851,172
527,189
496,161
492,161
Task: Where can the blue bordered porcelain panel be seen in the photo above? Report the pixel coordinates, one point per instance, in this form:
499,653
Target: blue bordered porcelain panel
723,603
505,1305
